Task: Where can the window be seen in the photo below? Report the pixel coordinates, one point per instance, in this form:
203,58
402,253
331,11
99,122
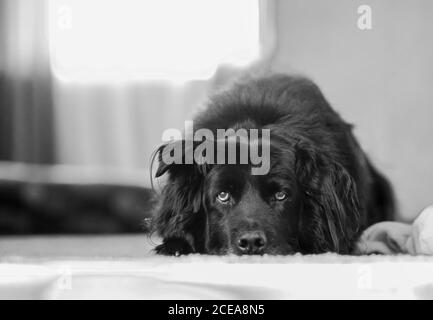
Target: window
151,39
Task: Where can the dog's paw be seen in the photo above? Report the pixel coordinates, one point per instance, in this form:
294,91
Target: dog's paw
174,247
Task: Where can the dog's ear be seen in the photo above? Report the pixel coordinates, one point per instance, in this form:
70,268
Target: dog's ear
178,155
330,217
178,213
171,154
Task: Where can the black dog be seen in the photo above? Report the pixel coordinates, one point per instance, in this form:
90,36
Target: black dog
321,191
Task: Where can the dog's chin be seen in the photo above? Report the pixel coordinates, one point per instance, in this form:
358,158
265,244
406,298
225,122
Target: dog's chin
278,250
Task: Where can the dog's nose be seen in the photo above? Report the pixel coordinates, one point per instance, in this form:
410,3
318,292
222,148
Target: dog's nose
252,242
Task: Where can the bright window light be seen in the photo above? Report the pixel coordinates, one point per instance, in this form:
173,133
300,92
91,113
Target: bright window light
151,39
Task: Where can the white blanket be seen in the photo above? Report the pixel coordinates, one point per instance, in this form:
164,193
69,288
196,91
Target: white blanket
124,267
394,237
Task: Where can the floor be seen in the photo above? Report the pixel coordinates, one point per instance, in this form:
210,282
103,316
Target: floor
124,267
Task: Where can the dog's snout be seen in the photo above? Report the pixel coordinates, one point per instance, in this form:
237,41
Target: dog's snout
252,242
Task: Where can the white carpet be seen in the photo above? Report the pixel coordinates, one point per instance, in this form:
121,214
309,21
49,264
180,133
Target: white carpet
123,267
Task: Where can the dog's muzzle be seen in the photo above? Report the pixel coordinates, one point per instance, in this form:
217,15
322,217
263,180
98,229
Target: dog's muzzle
251,242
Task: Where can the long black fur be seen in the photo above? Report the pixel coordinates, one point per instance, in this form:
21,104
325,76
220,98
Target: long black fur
338,191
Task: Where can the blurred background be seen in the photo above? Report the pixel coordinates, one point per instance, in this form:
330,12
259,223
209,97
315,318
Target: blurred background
88,87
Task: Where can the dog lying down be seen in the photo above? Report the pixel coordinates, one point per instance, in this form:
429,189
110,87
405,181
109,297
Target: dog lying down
318,194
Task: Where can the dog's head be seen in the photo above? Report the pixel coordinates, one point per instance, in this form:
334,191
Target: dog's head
307,203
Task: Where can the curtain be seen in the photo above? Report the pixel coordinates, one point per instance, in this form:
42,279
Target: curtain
115,124
26,109
121,125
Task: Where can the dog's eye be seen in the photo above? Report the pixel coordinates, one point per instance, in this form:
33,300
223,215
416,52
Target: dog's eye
223,196
280,196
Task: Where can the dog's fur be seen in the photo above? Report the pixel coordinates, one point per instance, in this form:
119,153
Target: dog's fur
333,191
